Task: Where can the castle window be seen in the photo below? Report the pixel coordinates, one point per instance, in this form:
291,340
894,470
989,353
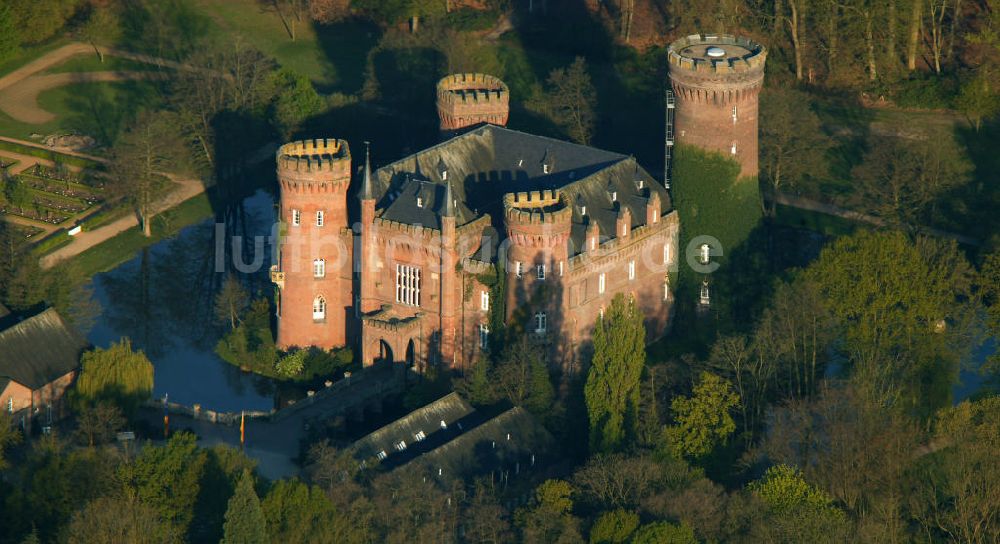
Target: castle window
560,268
484,336
296,218
484,301
319,218
407,285
319,308
705,253
631,270
600,283
319,268
601,312
540,323
624,229
518,269
732,150
734,115
666,288
540,271
593,243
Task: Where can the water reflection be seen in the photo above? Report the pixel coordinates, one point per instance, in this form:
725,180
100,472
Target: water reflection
164,300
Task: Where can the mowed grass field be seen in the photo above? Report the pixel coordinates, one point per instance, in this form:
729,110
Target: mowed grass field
332,56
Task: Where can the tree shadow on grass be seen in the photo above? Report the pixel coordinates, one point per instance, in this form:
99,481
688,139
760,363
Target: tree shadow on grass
346,45
104,110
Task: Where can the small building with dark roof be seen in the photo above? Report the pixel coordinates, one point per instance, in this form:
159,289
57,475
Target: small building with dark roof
451,440
39,359
565,227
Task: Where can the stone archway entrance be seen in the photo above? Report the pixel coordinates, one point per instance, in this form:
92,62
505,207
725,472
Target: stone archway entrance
411,354
384,352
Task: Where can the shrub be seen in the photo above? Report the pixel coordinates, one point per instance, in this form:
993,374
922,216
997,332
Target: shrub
469,19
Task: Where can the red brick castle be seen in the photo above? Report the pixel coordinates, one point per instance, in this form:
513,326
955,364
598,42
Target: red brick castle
565,227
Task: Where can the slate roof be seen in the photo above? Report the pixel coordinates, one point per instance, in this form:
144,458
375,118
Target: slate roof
512,441
484,164
450,409
39,349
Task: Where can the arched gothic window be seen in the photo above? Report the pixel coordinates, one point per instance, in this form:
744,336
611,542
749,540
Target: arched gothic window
319,308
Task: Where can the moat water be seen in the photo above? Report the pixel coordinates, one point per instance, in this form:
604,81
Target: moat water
163,299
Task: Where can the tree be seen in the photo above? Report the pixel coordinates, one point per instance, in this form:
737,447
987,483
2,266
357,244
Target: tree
98,424
572,100
614,527
10,37
295,100
793,145
898,305
612,388
901,180
291,365
9,436
102,25
522,376
298,514
978,99
245,523
136,163
703,420
168,478
549,517
662,532
231,301
116,374
799,512
329,11
477,384
119,520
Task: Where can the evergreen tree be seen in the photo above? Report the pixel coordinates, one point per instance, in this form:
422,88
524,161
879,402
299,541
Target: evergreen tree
245,523
612,388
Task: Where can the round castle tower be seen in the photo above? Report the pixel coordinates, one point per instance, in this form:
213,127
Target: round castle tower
467,100
538,227
716,80
314,272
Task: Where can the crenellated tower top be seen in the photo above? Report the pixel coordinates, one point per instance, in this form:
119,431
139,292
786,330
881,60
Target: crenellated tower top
467,100
319,165
538,218
716,68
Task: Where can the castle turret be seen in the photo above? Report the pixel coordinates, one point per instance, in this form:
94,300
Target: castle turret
469,100
538,227
366,197
716,80
314,270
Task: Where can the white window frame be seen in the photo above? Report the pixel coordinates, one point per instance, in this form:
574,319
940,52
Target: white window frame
560,268
614,196
734,115
296,217
381,455
631,270
593,243
319,308
320,218
540,271
545,168
541,323
419,436
484,336
624,230
601,284
401,445
484,301
319,268
704,253
10,405
420,202
518,269
732,150
666,253
407,285
666,290
583,210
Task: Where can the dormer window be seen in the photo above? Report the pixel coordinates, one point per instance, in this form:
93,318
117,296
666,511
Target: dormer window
444,175
583,210
614,196
640,184
420,202
545,169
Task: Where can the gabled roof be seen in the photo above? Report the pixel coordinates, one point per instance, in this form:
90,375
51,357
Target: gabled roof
490,161
511,439
39,349
435,418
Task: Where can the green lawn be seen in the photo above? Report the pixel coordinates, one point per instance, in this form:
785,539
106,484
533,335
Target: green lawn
124,246
99,109
332,56
30,53
819,222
